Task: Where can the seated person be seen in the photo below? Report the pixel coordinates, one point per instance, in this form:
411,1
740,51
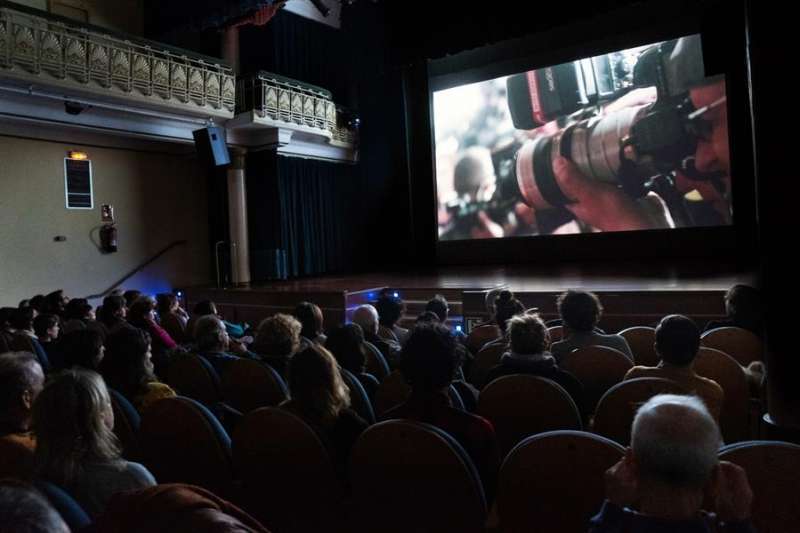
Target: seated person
366,316
310,317
429,364
346,343
171,317
47,329
113,312
320,397
22,324
529,341
21,380
486,331
142,315
75,446
79,314
668,471
207,307
677,343
390,308
23,509
172,508
214,345
131,296
277,340
580,312
55,302
81,348
743,307
506,306
128,368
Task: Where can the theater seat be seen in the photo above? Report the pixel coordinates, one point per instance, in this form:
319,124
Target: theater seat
642,341
393,391
553,482
486,359
743,345
617,408
249,384
556,333
598,368
480,335
773,469
181,441
287,478
193,376
734,418
519,406
408,476
359,401
126,424
70,510
376,363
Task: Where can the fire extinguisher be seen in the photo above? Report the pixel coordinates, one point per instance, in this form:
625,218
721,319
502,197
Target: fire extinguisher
108,238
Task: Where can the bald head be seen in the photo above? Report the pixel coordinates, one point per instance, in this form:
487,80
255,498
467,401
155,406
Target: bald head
366,316
675,441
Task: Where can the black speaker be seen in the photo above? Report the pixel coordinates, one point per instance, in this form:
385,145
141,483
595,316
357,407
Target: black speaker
211,146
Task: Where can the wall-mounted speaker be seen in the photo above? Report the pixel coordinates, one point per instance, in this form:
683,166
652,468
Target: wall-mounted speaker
211,146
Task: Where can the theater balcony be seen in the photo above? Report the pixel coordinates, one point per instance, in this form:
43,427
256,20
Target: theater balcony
53,69
293,117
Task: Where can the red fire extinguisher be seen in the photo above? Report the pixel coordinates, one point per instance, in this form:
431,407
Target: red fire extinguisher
108,238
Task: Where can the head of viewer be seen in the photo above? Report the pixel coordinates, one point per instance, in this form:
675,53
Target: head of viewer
366,316
24,510
21,381
580,310
210,334
528,334
429,360
677,340
278,335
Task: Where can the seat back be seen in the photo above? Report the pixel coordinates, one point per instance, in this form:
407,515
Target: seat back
617,408
486,359
522,405
722,368
556,333
554,482
359,400
642,340
773,469
193,376
249,384
181,441
126,423
376,362
481,335
598,368
407,476
288,479
392,392
743,345
70,510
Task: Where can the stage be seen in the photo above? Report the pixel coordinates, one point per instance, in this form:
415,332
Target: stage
631,294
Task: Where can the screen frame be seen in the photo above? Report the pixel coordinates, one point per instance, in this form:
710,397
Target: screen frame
722,27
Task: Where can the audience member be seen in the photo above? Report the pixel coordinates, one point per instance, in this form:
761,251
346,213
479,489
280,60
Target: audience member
213,344
172,317
113,312
505,306
438,305
78,314
22,324
366,316
131,296
310,317
142,315
174,507
277,340
24,510
75,445
83,348
320,397
38,303
55,302
128,368
21,380
47,329
346,343
580,312
668,471
529,340
743,307
390,308
677,343
429,365
207,307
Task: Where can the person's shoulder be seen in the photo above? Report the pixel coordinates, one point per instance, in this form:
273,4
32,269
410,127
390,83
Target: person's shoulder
641,372
710,385
138,472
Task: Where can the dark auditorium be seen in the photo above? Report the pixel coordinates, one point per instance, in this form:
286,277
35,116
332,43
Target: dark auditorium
381,266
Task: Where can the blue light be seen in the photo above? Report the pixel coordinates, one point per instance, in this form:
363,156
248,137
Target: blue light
180,294
458,328
397,295
371,296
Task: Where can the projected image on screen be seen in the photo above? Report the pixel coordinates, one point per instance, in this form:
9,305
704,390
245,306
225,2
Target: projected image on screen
631,140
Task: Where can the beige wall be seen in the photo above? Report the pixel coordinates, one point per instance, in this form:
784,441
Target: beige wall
157,198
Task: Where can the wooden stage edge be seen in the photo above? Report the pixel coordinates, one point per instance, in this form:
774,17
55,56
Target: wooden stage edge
631,295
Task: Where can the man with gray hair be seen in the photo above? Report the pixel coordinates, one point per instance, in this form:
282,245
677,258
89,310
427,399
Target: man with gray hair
366,316
21,381
213,343
666,472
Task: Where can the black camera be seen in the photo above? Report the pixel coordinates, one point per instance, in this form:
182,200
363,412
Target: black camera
637,147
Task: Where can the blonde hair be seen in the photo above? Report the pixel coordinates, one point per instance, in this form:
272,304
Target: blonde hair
316,385
278,335
69,421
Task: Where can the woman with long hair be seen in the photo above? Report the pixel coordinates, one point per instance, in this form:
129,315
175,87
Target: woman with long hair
75,445
128,368
142,314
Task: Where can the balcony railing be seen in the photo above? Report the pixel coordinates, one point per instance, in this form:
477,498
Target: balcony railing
289,102
39,48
